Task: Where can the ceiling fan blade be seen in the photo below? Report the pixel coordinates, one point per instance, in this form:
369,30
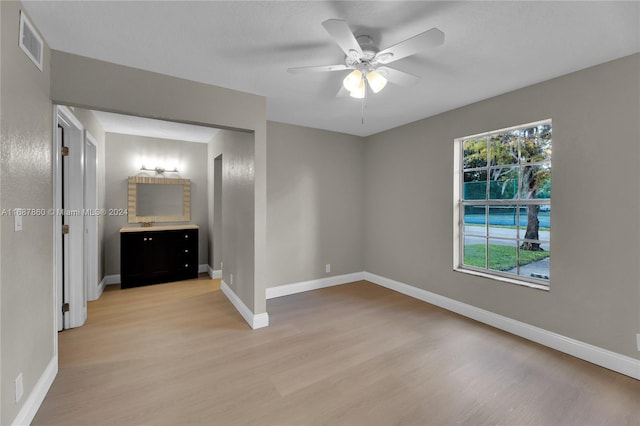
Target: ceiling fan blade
398,77
342,34
430,38
321,68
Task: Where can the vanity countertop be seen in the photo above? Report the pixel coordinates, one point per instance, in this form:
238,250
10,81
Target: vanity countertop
157,228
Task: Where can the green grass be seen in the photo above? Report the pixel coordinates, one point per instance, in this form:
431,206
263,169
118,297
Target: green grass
501,258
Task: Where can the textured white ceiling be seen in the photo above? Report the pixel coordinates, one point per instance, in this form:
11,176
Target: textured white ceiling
129,125
490,48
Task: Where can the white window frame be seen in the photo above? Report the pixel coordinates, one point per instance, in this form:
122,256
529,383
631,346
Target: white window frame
458,215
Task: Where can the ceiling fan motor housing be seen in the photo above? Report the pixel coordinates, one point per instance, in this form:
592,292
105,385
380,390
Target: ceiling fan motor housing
364,61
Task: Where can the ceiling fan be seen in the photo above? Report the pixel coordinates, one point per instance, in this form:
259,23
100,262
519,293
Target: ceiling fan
368,62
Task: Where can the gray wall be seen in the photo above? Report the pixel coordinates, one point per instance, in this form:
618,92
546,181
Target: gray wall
123,156
93,126
89,83
595,275
237,198
315,203
26,261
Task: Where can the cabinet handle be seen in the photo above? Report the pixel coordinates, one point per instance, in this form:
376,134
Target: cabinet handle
186,251
186,236
145,238
186,265
150,238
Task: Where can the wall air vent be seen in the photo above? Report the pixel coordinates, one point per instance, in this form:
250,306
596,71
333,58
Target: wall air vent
30,42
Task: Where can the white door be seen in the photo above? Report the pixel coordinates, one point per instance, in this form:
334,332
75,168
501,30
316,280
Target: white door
69,220
58,239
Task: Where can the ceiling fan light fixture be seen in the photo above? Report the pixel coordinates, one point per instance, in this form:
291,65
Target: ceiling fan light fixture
376,81
359,91
353,81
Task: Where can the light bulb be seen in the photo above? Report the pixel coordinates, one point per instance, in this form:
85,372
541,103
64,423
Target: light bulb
376,81
353,80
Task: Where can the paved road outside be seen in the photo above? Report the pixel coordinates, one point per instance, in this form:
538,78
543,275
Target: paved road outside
500,233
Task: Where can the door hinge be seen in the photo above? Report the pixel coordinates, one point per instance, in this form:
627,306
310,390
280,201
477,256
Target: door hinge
65,308
65,229
65,151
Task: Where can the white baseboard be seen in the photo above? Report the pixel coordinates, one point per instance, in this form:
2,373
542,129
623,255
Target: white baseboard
596,355
284,290
255,321
112,279
34,400
214,274
103,282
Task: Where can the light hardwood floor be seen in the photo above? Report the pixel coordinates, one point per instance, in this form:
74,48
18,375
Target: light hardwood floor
357,354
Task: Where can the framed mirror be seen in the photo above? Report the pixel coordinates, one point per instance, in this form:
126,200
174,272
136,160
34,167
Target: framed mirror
152,199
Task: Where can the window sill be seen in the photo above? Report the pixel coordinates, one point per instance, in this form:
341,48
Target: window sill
537,286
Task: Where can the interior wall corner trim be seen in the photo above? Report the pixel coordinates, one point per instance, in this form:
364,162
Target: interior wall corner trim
34,400
293,288
594,354
214,274
100,290
254,321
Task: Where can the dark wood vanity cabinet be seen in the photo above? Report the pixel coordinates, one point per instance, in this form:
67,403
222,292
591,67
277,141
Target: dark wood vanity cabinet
158,256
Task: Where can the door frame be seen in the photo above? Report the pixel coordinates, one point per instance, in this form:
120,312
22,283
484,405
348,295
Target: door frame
75,288
94,286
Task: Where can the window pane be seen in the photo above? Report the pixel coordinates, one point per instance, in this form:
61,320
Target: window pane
536,182
474,252
502,255
504,148
535,222
475,185
504,183
502,221
534,264
502,172
535,144
475,220
475,153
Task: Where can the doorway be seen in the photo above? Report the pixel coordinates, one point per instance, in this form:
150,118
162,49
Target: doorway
93,282
217,216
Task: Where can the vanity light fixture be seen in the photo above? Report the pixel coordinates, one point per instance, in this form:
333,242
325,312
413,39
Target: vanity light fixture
159,170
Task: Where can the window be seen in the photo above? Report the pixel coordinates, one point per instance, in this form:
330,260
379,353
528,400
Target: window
502,195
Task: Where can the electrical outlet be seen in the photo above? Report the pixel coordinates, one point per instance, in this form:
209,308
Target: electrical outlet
19,386
638,340
327,268
231,279
17,223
